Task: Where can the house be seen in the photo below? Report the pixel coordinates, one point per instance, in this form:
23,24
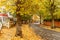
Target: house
4,21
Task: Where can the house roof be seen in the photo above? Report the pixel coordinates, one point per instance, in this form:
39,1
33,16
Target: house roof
3,15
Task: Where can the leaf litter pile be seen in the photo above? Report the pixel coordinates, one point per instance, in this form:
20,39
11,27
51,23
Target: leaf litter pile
28,34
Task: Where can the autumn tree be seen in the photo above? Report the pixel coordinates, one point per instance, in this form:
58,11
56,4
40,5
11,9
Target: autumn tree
41,15
23,13
51,7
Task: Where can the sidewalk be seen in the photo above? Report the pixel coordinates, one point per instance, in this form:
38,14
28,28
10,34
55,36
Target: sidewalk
46,34
49,27
28,34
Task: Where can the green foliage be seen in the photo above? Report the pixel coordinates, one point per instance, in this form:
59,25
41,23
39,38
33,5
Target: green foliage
48,18
26,17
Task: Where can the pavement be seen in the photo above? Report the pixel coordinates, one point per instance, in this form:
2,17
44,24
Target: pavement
28,33
45,33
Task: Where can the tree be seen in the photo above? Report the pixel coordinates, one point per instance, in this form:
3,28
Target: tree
41,15
40,11
51,7
23,11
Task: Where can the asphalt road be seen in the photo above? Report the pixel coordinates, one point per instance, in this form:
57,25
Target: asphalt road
45,33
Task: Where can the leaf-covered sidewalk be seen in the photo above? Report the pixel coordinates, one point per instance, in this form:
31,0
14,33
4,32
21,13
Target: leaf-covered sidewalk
28,34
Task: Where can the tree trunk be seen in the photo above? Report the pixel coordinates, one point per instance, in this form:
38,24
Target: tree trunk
19,21
41,19
18,29
18,26
52,24
52,9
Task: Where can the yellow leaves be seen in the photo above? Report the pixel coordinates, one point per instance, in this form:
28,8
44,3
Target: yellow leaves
13,7
22,9
0,4
7,7
21,14
26,7
28,33
3,0
15,0
0,10
9,4
35,1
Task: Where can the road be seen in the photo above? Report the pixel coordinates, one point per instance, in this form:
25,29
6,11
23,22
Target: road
45,33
